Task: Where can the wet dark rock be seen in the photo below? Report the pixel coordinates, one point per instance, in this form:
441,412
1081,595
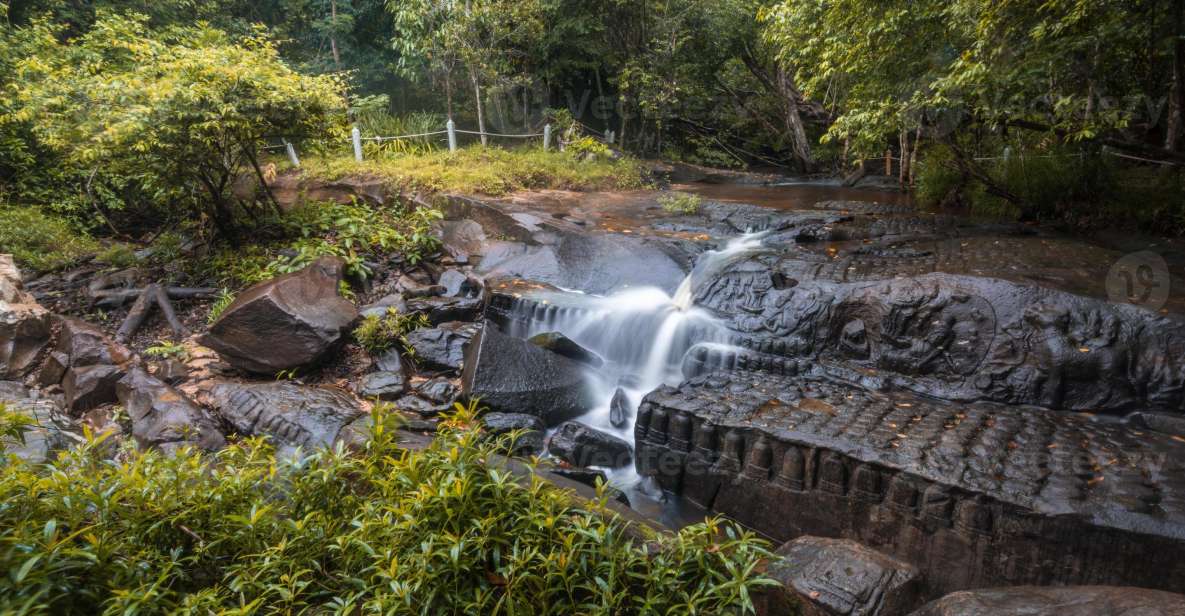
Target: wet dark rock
445,309
420,406
90,386
462,239
902,473
163,418
441,347
293,415
512,375
54,369
563,345
49,429
529,442
412,289
440,390
390,361
839,577
289,322
87,345
1059,601
1166,423
382,385
383,306
592,477
580,445
620,409
25,327
458,284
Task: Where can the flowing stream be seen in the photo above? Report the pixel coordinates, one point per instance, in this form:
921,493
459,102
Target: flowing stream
643,335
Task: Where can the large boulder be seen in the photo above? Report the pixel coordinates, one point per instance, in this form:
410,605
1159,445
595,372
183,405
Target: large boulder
442,347
839,577
287,322
559,343
163,418
25,327
512,375
1060,601
48,431
580,445
87,364
292,415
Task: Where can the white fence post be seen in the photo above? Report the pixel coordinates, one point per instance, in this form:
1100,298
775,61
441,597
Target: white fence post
546,136
291,154
356,136
452,135
609,136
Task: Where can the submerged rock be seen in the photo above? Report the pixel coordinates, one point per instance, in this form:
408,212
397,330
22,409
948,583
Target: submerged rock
620,409
25,327
288,322
163,418
442,347
841,577
563,345
512,375
580,445
1057,601
293,415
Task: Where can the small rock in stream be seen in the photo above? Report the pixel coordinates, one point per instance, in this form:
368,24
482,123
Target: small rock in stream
580,445
619,409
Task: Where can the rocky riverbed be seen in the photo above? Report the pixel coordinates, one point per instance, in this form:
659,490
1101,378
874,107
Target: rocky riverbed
913,404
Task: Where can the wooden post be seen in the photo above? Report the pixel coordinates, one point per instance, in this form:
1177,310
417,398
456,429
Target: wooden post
546,136
609,137
452,135
356,136
889,162
291,154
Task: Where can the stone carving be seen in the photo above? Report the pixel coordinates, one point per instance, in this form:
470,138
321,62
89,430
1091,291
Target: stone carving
839,576
973,494
293,415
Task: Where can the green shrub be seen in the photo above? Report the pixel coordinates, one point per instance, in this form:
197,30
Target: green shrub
117,255
380,333
680,203
386,530
165,349
588,149
224,300
40,242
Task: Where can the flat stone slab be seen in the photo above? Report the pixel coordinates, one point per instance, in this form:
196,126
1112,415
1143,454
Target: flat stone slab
1072,601
974,494
841,577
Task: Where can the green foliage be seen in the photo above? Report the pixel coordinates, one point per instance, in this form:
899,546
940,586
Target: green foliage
489,171
381,123
445,530
377,333
354,232
39,241
167,121
167,349
588,149
680,203
117,255
221,303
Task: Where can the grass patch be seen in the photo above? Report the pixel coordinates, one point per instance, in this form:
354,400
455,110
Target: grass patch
487,171
377,333
40,242
680,203
383,531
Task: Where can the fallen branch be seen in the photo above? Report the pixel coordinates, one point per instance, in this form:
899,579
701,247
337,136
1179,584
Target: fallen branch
137,314
114,298
166,308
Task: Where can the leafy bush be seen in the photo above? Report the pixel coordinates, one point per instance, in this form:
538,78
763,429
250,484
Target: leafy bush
39,241
381,123
680,203
117,255
588,149
380,333
391,531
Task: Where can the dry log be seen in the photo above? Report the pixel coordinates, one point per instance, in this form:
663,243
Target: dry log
166,308
137,314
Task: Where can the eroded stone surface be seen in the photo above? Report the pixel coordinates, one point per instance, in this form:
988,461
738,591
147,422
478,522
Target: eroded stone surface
839,577
580,445
25,327
973,494
293,415
442,347
1072,601
50,430
163,417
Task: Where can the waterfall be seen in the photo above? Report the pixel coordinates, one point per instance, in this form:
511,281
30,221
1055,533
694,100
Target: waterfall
643,335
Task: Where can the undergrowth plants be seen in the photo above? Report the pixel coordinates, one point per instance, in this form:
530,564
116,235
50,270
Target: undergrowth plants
384,530
377,333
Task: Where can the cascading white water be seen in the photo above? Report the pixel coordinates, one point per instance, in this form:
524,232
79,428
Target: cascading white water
643,335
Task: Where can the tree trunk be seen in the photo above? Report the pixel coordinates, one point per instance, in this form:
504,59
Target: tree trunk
337,60
794,126
1176,119
481,110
